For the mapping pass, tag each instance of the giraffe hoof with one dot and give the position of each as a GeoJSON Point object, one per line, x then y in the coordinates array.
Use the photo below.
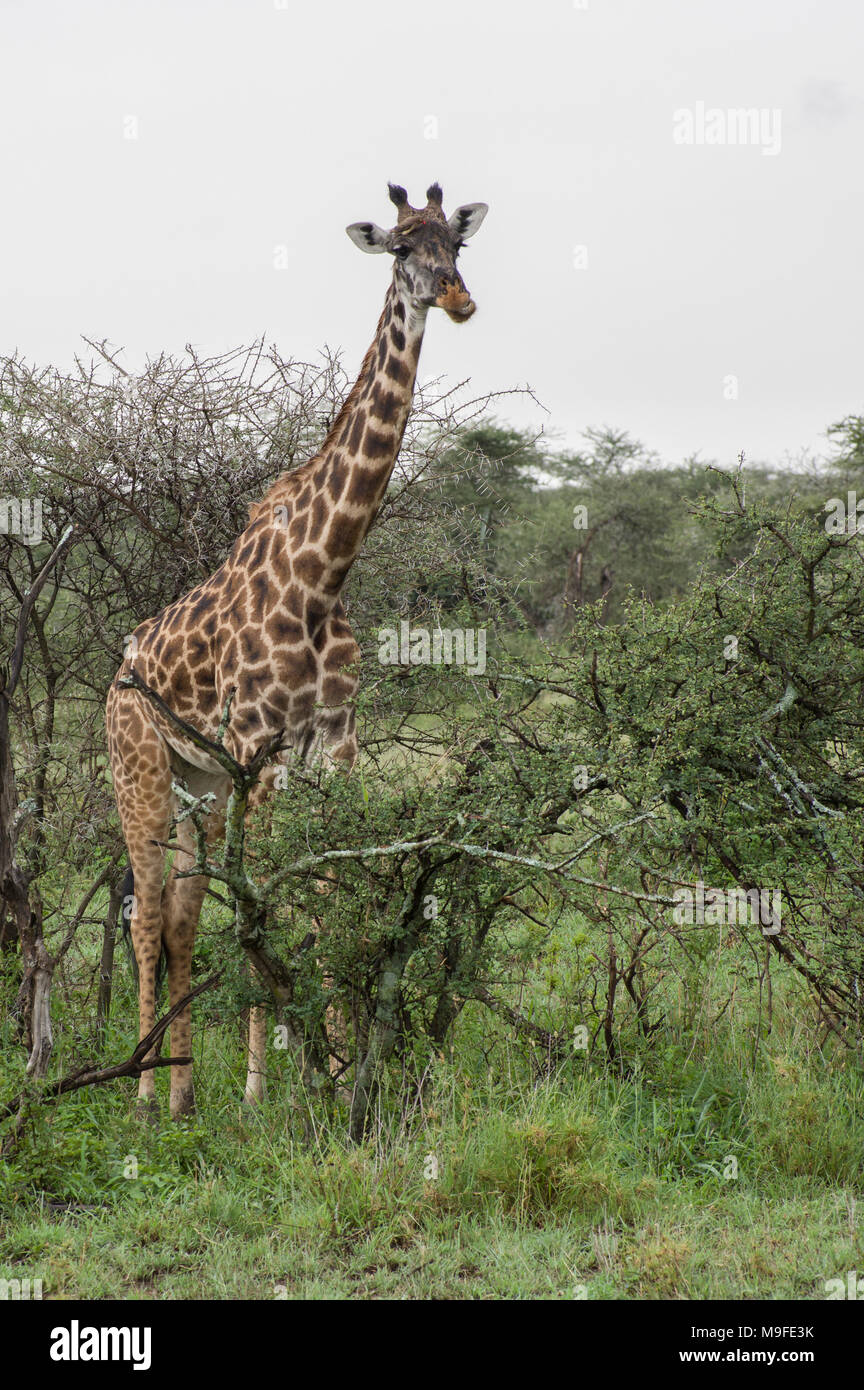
{"type": "Point", "coordinates": [147, 1109]}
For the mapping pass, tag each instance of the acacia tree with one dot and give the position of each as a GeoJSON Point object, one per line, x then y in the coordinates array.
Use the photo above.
{"type": "Point", "coordinates": [715, 743]}
{"type": "Point", "coordinates": [152, 475]}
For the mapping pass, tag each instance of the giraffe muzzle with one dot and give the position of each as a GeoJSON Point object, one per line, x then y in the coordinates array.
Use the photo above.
{"type": "Point", "coordinates": [456, 303]}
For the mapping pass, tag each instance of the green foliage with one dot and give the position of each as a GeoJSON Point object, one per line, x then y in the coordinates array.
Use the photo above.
{"type": "Point", "coordinates": [672, 698]}
{"type": "Point", "coordinates": [587, 1178]}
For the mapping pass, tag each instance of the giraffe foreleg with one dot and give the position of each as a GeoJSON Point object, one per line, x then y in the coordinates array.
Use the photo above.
{"type": "Point", "coordinates": [256, 1073]}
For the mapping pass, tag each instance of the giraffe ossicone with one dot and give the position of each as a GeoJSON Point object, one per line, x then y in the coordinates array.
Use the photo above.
{"type": "Point", "coordinates": [269, 624]}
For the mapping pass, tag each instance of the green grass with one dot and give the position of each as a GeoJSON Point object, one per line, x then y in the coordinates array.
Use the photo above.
{"type": "Point", "coordinates": [688, 1177]}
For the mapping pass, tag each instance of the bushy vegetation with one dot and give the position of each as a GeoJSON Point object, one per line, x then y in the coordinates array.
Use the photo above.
{"type": "Point", "coordinates": [567, 1084]}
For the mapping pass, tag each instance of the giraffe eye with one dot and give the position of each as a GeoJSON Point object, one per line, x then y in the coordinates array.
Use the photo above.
{"type": "Point", "coordinates": [402, 252]}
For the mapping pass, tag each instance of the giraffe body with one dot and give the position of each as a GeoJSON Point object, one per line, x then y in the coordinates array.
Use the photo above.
{"type": "Point", "coordinates": [269, 626]}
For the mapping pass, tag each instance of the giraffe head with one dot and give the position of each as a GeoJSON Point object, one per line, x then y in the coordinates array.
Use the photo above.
{"type": "Point", "coordinates": [424, 245]}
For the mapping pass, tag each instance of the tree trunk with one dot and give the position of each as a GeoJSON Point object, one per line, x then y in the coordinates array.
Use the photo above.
{"type": "Point", "coordinates": [21, 916]}
{"type": "Point", "coordinates": [574, 580]}
{"type": "Point", "coordinates": [385, 1025]}
{"type": "Point", "coordinates": [106, 962]}
{"type": "Point", "coordinates": [382, 1040]}
{"type": "Point", "coordinates": [13, 887]}
{"type": "Point", "coordinates": [19, 898]}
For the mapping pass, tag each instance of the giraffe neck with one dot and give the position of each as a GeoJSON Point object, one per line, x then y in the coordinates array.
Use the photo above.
{"type": "Point", "coordinates": [350, 473]}
{"type": "Point", "coordinates": [362, 446]}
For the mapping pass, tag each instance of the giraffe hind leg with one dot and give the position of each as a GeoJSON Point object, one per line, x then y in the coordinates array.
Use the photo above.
{"type": "Point", "coordinates": [256, 1074]}
{"type": "Point", "coordinates": [142, 786]}
{"type": "Point", "coordinates": [148, 864]}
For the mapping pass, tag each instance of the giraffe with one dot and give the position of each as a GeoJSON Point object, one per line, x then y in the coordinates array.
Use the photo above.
{"type": "Point", "coordinates": [270, 626]}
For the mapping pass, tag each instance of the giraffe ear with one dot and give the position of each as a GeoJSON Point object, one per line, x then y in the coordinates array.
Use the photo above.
{"type": "Point", "coordinates": [368, 237]}
{"type": "Point", "coordinates": [466, 220]}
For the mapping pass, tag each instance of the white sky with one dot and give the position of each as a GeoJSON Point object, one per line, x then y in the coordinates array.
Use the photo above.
{"type": "Point", "coordinates": [261, 126]}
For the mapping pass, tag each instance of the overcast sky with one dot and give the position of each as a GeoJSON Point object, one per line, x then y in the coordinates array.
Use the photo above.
{"type": "Point", "coordinates": [154, 155]}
